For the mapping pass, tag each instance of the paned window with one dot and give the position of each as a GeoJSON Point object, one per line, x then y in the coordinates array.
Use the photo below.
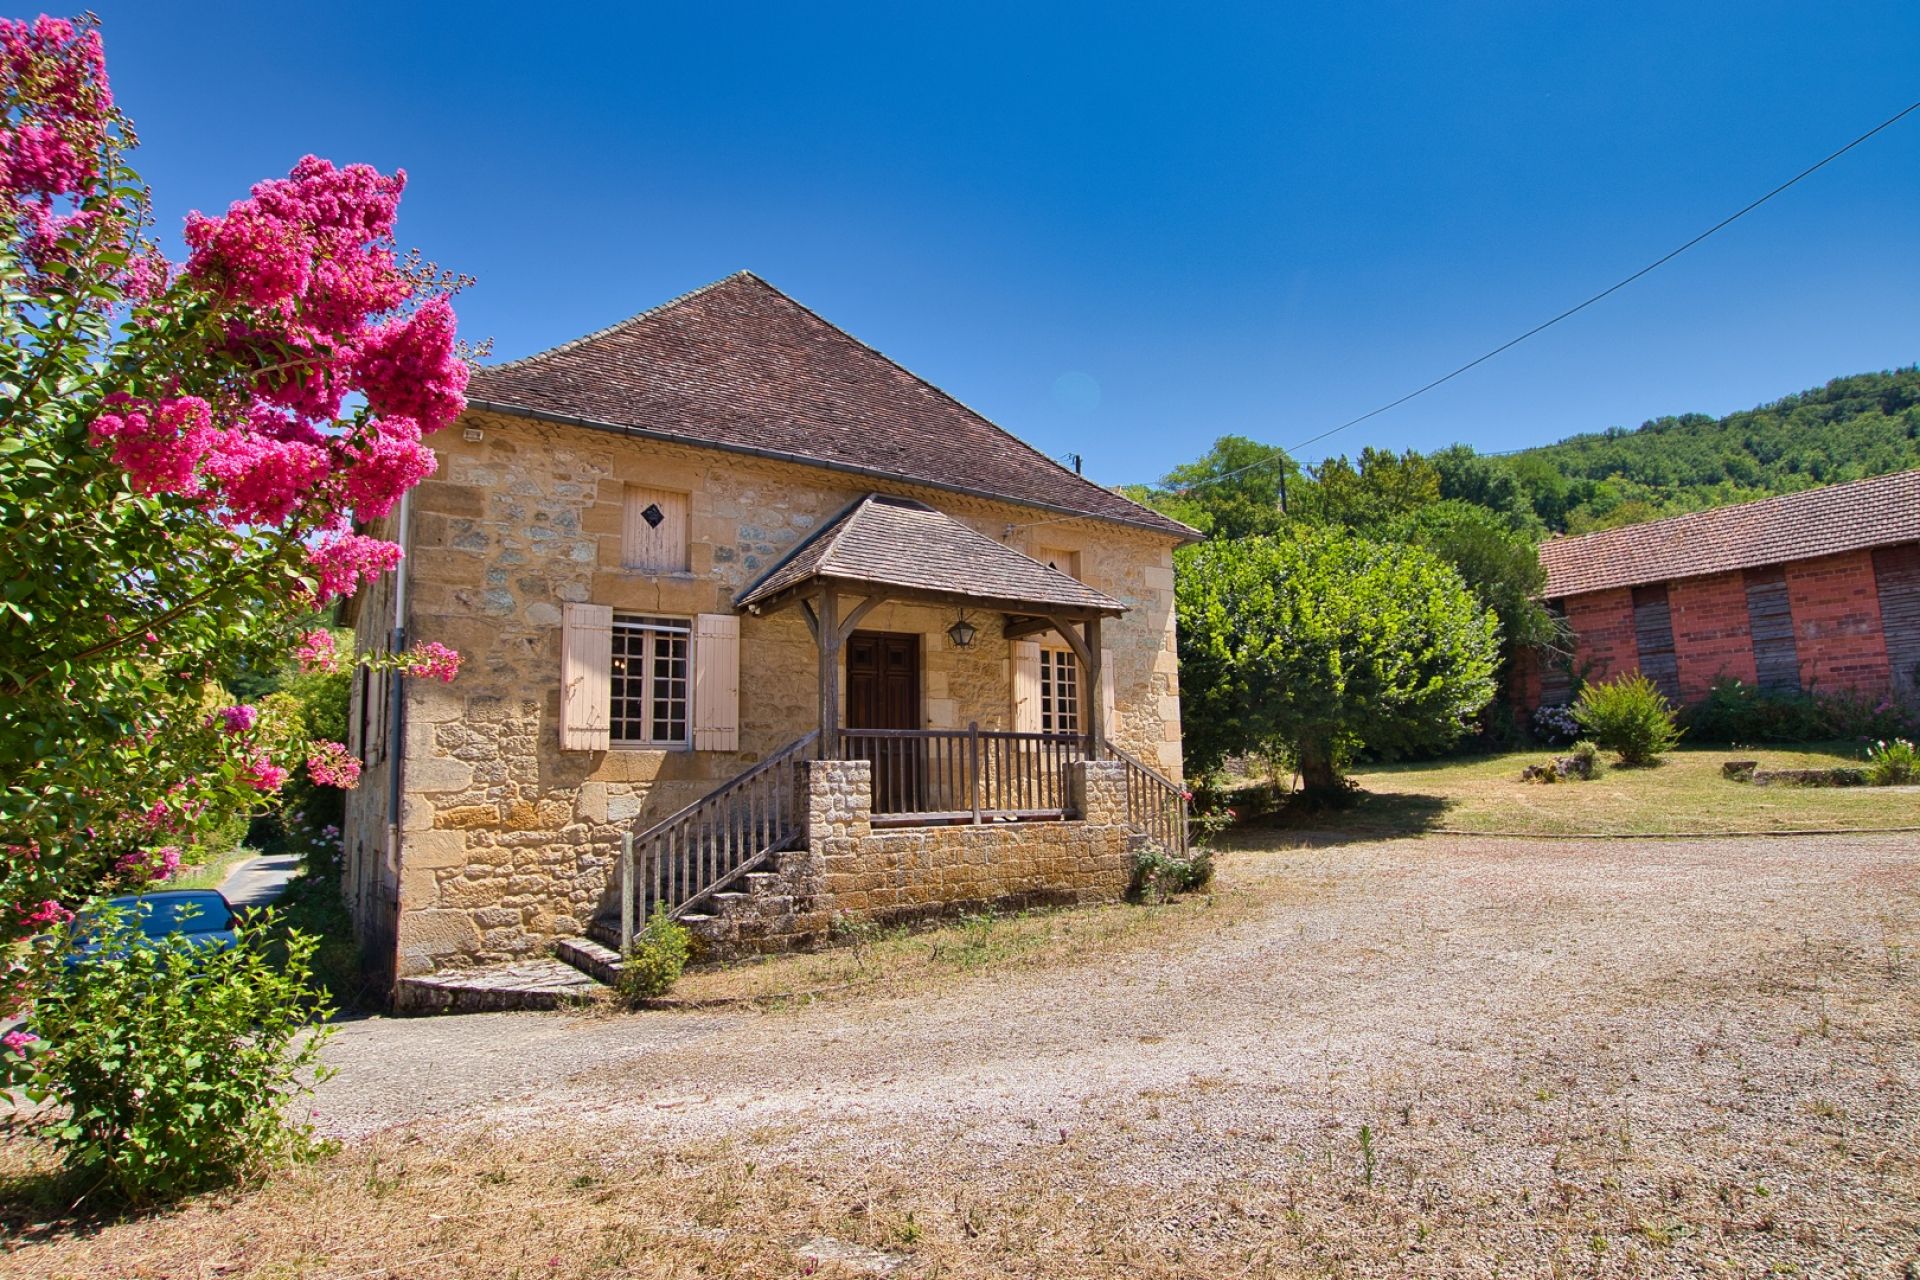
{"type": "Point", "coordinates": [650, 680]}
{"type": "Point", "coordinates": [1059, 692]}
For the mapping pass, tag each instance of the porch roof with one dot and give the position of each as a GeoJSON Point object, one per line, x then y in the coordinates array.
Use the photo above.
{"type": "Point", "coordinates": [899, 547]}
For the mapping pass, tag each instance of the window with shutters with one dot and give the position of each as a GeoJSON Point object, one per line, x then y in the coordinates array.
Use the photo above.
{"type": "Point", "coordinates": [650, 681]}
{"type": "Point", "coordinates": [1059, 692]}
{"type": "Point", "coordinates": [655, 537]}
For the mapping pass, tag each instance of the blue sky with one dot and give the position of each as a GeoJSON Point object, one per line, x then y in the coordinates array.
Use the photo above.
{"type": "Point", "coordinates": [1123, 230]}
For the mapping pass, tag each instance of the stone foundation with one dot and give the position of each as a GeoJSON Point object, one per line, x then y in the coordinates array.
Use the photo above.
{"type": "Point", "coordinates": [851, 871]}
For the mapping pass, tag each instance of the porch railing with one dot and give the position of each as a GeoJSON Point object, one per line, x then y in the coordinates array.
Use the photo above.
{"type": "Point", "coordinates": [1155, 804]}
{"type": "Point", "coordinates": [964, 775]}
{"type": "Point", "coordinates": [684, 859]}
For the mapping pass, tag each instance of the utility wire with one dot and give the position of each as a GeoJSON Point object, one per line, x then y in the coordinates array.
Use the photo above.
{"type": "Point", "coordinates": [1661, 261]}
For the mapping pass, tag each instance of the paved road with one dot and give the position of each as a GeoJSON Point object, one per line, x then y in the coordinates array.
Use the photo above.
{"type": "Point", "coordinates": [260, 880]}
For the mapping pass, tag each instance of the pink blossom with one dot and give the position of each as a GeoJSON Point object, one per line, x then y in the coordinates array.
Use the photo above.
{"type": "Point", "coordinates": [315, 237]}
{"type": "Point", "coordinates": [343, 560]}
{"type": "Point", "coordinates": [240, 719]}
{"type": "Point", "coordinates": [159, 444]}
{"type": "Point", "coordinates": [432, 660]}
{"type": "Point", "coordinates": [388, 460]}
{"type": "Point", "coordinates": [262, 774]}
{"type": "Point", "coordinates": [409, 367]}
{"type": "Point", "coordinates": [331, 765]}
{"type": "Point", "coordinates": [261, 480]}
{"type": "Point", "coordinates": [17, 1040]}
{"type": "Point", "coordinates": [317, 651]}
{"type": "Point", "coordinates": [48, 912]}
{"type": "Point", "coordinates": [151, 865]}
{"type": "Point", "coordinates": [330, 832]}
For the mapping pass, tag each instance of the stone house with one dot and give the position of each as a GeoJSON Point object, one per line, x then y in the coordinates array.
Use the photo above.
{"type": "Point", "coordinates": [1818, 590]}
{"type": "Point", "coordinates": [763, 629]}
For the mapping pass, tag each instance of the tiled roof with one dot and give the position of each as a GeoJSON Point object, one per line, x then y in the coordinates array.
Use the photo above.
{"type": "Point", "coordinates": [739, 365]}
{"type": "Point", "coordinates": [1795, 526]}
{"type": "Point", "coordinates": [908, 546]}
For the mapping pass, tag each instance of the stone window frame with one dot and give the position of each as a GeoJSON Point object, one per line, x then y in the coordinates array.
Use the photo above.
{"type": "Point", "coordinates": [1061, 714]}
{"type": "Point", "coordinates": [660, 639]}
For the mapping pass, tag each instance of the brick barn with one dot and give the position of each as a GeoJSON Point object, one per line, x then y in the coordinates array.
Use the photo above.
{"type": "Point", "coordinates": [1814, 591]}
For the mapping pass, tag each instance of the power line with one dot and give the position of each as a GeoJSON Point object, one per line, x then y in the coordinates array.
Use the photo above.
{"type": "Point", "coordinates": [1661, 261]}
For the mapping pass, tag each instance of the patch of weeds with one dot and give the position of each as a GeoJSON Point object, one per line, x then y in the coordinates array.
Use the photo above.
{"type": "Point", "coordinates": [656, 957]}
{"type": "Point", "coordinates": [1158, 875]}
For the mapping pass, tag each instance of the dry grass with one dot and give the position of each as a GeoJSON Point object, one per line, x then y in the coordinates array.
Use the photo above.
{"type": "Point", "coordinates": [1572, 1060]}
{"type": "Point", "coordinates": [903, 961]}
{"type": "Point", "coordinates": [1685, 794]}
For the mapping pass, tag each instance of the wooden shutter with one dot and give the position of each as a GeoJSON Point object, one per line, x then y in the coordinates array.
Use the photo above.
{"type": "Point", "coordinates": [586, 677]}
{"type": "Point", "coordinates": [1896, 571]}
{"type": "Point", "coordinates": [716, 682]}
{"type": "Point", "coordinates": [1026, 686]}
{"type": "Point", "coordinates": [1776, 658]}
{"type": "Point", "coordinates": [659, 545]}
{"type": "Point", "coordinates": [1106, 691]}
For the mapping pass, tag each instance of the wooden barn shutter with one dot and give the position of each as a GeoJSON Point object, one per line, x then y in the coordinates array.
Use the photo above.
{"type": "Point", "coordinates": [716, 682]}
{"type": "Point", "coordinates": [1896, 571]}
{"type": "Point", "coordinates": [1776, 657]}
{"type": "Point", "coordinates": [658, 544]}
{"type": "Point", "coordinates": [1106, 691]}
{"type": "Point", "coordinates": [1026, 686]}
{"type": "Point", "coordinates": [586, 660]}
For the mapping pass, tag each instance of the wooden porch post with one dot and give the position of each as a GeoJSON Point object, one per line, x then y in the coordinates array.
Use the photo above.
{"type": "Point", "coordinates": [1096, 710]}
{"type": "Point", "coordinates": [829, 645]}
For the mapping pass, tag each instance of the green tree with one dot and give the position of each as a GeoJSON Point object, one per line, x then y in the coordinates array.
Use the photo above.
{"type": "Point", "coordinates": [1365, 497]}
{"type": "Point", "coordinates": [1233, 491]}
{"type": "Point", "coordinates": [1317, 644]}
{"type": "Point", "coordinates": [1499, 564]}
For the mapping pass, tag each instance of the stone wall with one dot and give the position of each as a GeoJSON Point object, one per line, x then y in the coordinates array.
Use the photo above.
{"type": "Point", "coordinates": [852, 871]}
{"type": "Point", "coordinates": [508, 842]}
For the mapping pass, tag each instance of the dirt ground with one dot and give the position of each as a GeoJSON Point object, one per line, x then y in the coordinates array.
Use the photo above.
{"type": "Point", "coordinates": [1417, 1057]}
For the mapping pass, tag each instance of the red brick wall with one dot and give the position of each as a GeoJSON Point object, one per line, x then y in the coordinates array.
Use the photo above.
{"type": "Point", "coordinates": [1710, 631]}
{"type": "Point", "coordinates": [1602, 623]}
{"type": "Point", "coordinates": [1836, 623]}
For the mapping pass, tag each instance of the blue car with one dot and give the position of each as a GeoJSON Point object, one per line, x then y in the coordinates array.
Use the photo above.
{"type": "Point", "coordinates": [203, 916]}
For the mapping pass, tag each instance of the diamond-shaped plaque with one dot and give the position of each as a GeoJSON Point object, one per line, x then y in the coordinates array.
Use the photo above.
{"type": "Point", "coordinates": [653, 515]}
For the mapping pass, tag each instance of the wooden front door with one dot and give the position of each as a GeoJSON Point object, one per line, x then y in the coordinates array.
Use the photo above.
{"type": "Point", "coordinates": [883, 692]}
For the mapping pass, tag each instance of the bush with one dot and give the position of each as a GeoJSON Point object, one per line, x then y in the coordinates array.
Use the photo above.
{"type": "Point", "coordinates": [1737, 712]}
{"type": "Point", "coordinates": [656, 957]}
{"type": "Point", "coordinates": [1158, 875]}
{"type": "Point", "coordinates": [1554, 725]}
{"type": "Point", "coordinates": [171, 1067]}
{"type": "Point", "coordinates": [1628, 716]}
{"type": "Point", "coordinates": [1893, 763]}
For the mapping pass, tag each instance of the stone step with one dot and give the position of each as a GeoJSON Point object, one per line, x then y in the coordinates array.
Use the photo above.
{"type": "Point", "coordinates": [761, 881]}
{"type": "Point", "coordinates": [601, 963]}
{"type": "Point", "coordinates": [523, 984]}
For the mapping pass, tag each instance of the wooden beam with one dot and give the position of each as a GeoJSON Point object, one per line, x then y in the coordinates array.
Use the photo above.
{"type": "Point", "coordinates": [860, 611]}
{"type": "Point", "coordinates": [828, 642]}
{"type": "Point", "coordinates": [813, 619]}
{"type": "Point", "coordinates": [1021, 628]}
{"type": "Point", "coordinates": [1096, 709]}
{"type": "Point", "coordinates": [1089, 658]}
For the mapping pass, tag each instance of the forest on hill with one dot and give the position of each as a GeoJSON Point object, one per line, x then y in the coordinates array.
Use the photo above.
{"type": "Point", "coordinates": [1864, 425]}
{"type": "Point", "coordinates": [1484, 515]}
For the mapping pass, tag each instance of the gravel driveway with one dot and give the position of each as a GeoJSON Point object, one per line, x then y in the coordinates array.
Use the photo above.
{"type": "Point", "coordinates": [1706, 1045]}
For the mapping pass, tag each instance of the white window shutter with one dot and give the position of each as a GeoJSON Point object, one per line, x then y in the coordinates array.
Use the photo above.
{"type": "Point", "coordinates": [586, 677]}
{"type": "Point", "coordinates": [716, 682]}
{"type": "Point", "coordinates": [1106, 691]}
{"type": "Point", "coordinates": [1026, 686]}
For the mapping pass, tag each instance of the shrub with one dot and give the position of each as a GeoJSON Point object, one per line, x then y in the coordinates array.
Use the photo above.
{"type": "Point", "coordinates": [1893, 763]}
{"type": "Point", "coordinates": [1158, 875]}
{"type": "Point", "coordinates": [656, 957]}
{"type": "Point", "coordinates": [1554, 724]}
{"type": "Point", "coordinates": [171, 1067]}
{"type": "Point", "coordinates": [1630, 717]}
{"type": "Point", "coordinates": [1737, 712]}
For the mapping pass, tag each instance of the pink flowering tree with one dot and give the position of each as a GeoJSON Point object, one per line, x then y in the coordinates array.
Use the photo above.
{"type": "Point", "coordinates": [195, 457]}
